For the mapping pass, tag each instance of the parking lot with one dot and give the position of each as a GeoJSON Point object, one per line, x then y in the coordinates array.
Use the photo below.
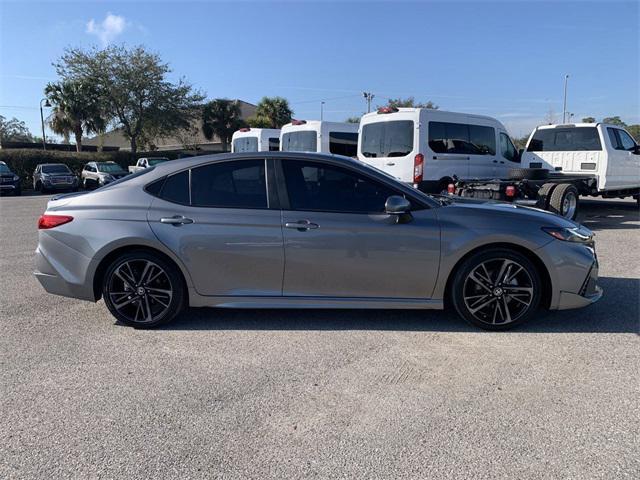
{"type": "Point", "coordinates": [326, 394]}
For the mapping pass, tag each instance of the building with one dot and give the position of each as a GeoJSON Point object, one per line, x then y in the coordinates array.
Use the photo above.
{"type": "Point", "coordinates": [189, 140]}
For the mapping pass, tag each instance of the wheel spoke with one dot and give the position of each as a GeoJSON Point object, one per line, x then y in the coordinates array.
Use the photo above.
{"type": "Point", "coordinates": [148, 267]}
{"type": "Point", "coordinates": [512, 297]}
{"type": "Point", "coordinates": [125, 303]}
{"type": "Point", "coordinates": [501, 273]}
{"type": "Point", "coordinates": [149, 317]}
{"type": "Point", "coordinates": [122, 276]}
{"type": "Point", "coordinates": [480, 307]}
{"type": "Point", "coordinates": [159, 291]}
{"type": "Point", "coordinates": [506, 309]}
{"type": "Point", "coordinates": [510, 289]}
{"type": "Point", "coordinates": [479, 281]}
{"type": "Point", "coordinates": [159, 300]}
{"type": "Point", "coordinates": [510, 276]}
{"type": "Point", "coordinates": [487, 276]}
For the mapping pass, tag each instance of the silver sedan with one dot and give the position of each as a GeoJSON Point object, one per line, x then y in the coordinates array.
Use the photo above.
{"type": "Point", "coordinates": [296, 230]}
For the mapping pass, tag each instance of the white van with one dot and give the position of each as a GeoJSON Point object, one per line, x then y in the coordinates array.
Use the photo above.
{"type": "Point", "coordinates": [427, 147]}
{"type": "Point", "coordinates": [605, 151]}
{"type": "Point", "coordinates": [256, 140]}
{"type": "Point", "coordinates": [320, 136]}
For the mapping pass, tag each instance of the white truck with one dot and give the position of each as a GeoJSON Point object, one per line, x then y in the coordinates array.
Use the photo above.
{"type": "Point", "coordinates": [146, 162]}
{"type": "Point", "coordinates": [562, 162]}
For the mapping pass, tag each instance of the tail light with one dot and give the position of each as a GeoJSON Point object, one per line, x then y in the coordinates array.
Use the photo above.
{"type": "Point", "coordinates": [387, 110]}
{"type": "Point", "coordinates": [245, 129]}
{"type": "Point", "coordinates": [298, 122]}
{"type": "Point", "coordinates": [418, 168]}
{"type": "Point", "coordinates": [52, 221]}
{"type": "Point", "coordinates": [451, 188]}
{"type": "Point", "coordinates": [510, 191]}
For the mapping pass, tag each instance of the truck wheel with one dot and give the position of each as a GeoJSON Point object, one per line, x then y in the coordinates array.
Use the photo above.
{"type": "Point", "coordinates": [544, 195]}
{"type": "Point", "coordinates": [528, 173]}
{"type": "Point", "coordinates": [564, 201]}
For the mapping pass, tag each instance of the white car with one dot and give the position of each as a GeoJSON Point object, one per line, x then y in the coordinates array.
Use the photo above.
{"type": "Point", "coordinates": [605, 151]}
{"type": "Point", "coordinates": [146, 162]}
{"type": "Point", "coordinates": [427, 147]}
{"type": "Point", "coordinates": [256, 140]}
{"type": "Point", "coordinates": [320, 136]}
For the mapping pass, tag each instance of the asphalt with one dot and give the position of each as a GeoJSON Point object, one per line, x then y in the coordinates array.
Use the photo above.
{"type": "Point", "coordinates": [318, 394]}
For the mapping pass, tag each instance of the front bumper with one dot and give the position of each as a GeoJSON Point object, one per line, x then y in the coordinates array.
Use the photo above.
{"type": "Point", "coordinates": [9, 187]}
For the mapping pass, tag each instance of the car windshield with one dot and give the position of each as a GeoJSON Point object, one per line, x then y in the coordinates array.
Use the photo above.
{"type": "Point", "coordinates": [4, 168]}
{"type": "Point", "coordinates": [305, 141]}
{"type": "Point", "coordinates": [156, 161]}
{"type": "Point", "coordinates": [55, 169]}
{"type": "Point", "coordinates": [109, 167]}
{"type": "Point", "coordinates": [387, 139]}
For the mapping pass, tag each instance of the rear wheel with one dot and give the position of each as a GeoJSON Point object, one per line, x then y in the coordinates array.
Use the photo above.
{"type": "Point", "coordinates": [544, 195]}
{"type": "Point", "coordinates": [496, 289]}
{"type": "Point", "coordinates": [564, 201]}
{"type": "Point", "coordinates": [143, 290]}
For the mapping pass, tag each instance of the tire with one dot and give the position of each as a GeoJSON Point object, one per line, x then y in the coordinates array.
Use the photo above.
{"type": "Point", "coordinates": [40, 187]}
{"type": "Point", "coordinates": [564, 201]}
{"type": "Point", "coordinates": [494, 303]}
{"type": "Point", "coordinates": [143, 302]}
{"type": "Point", "coordinates": [544, 195]}
{"type": "Point", "coordinates": [528, 173]}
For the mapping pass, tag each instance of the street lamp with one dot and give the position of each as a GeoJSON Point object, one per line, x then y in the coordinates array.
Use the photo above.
{"type": "Point", "coordinates": [46, 104]}
{"type": "Point", "coordinates": [321, 111]}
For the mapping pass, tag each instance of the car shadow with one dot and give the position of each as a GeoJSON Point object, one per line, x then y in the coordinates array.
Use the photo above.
{"type": "Point", "coordinates": [617, 312]}
{"type": "Point", "coordinates": [609, 215]}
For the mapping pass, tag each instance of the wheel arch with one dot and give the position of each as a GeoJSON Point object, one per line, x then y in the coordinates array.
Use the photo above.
{"type": "Point", "coordinates": [547, 287]}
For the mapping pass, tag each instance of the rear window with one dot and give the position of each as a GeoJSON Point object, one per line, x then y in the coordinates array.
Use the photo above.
{"type": "Point", "coordinates": [274, 144]}
{"type": "Point", "coordinates": [245, 144]}
{"type": "Point", "coordinates": [387, 139]}
{"type": "Point", "coordinates": [4, 168]}
{"type": "Point", "coordinates": [343, 143]}
{"type": "Point", "coordinates": [300, 141]}
{"type": "Point", "coordinates": [565, 140]}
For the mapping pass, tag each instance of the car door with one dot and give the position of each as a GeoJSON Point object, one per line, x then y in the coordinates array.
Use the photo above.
{"type": "Point", "coordinates": [508, 156]}
{"type": "Point", "coordinates": [483, 159]}
{"type": "Point", "coordinates": [340, 243]}
{"type": "Point", "coordinates": [629, 160]}
{"type": "Point", "coordinates": [217, 218]}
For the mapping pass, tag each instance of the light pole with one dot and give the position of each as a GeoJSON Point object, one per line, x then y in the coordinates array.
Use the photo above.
{"type": "Point", "coordinates": [368, 97]}
{"type": "Point", "coordinates": [46, 104]}
{"type": "Point", "coordinates": [321, 111]}
{"type": "Point", "coordinates": [564, 103]}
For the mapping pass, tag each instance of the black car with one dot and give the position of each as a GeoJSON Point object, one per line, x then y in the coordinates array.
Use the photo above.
{"type": "Point", "coordinates": [54, 176]}
{"type": "Point", "coordinates": [9, 181]}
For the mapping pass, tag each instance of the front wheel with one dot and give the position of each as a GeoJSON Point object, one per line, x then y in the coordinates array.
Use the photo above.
{"type": "Point", "coordinates": [143, 290]}
{"type": "Point", "coordinates": [496, 289]}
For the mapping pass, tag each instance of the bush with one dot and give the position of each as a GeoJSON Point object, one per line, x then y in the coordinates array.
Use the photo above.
{"type": "Point", "coordinates": [24, 161]}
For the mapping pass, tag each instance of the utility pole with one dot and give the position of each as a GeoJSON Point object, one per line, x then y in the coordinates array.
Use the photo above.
{"type": "Point", "coordinates": [564, 104]}
{"type": "Point", "coordinates": [368, 97]}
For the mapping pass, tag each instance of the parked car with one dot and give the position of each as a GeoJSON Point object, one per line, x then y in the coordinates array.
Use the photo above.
{"type": "Point", "coordinates": [146, 162]}
{"type": "Point", "coordinates": [215, 231]}
{"type": "Point", "coordinates": [98, 174]}
{"type": "Point", "coordinates": [256, 140]}
{"type": "Point", "coordinates": [564, 162]}
{"type": "Point", "coordinates": [54, 176]}
{"type": "Point", "coordinates": [9, 181]}
{"type": "Point", "coordinates": [320, 136]}
{"type": "Point", "coordinates": [427, 148]}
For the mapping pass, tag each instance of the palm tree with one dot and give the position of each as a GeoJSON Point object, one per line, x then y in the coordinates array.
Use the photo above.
{"type": "Point", "coordinates": [273, 112]}
{"type": "Point", "coordinates": [221, 117]}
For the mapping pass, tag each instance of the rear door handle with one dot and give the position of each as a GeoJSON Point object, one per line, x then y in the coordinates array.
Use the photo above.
{"type": "Point", "coordinates": [176, 220]}
{"type": "Point", "coordinates": [390, 164]}
{"type": "Point", "coordinates": [302, 225]}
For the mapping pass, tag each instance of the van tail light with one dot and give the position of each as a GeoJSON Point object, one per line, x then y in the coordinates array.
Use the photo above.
{"type": "Point", "coordinates": [245, 129]}
{"type": "Point", "coordinates": [510, 191]}
{"type": "Point", "coordinates": [52, 221]}
{"type": "Point", "coordinates": [298, 122]}
{"type": "Point", "coordinates": [387, 110]}
{"type": "Point", "coordinates": [418, 168]}
{"type": "Point", "coordinates": [451, 188]}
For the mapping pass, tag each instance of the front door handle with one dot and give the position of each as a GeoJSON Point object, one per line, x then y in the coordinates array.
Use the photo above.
{"type": "Point", "coordinates": [302, 225]}
{"type": "Point", "coordinates": [390, 164]}
{"type": "Point", "coordinates": [176, 220]}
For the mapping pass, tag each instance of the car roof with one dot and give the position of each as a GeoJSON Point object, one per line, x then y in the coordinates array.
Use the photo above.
{"type": "Point", "coordinates": [50, 164]}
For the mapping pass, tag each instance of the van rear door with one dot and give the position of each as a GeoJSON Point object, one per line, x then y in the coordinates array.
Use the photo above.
{"type": "Point", "coordinates": [390, 145]}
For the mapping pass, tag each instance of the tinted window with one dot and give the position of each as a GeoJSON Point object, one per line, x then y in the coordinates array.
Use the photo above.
{"type": "Point", "coordinates": [327, 188]}
{"type": "Point", "coordinates": [55, 169]}
{"type": "Point", "coordinates": [239, 184]}
{"type": "Point", "coordinates": [4, 168]}
{"type": "Point", "coordinates": [176, 188]}
{"type": "Point", "coordinates": [626, 141]}
{"type": "Point", "coordinates": [300, 142]}
{"type": "Point", "coordinates": [156, 161]}
{"type": "Point", "coordinates": [274, 144]}
{"type": "Point", "coordinates": [613, 138]}
{"type": "Point", "coordinates": [343, 143]}
{"type": "Point", "coordinates": [387, 139]}
{"type": "Point", "coordinates": [565, 140]}
{"type": "Point", "coordinates": [462, 138]}
{"type": "Point", "coordinates": [507, 149]}
{"type": "Point", "coordinates": [245, 144]}
{"type": "Point", "coordinates": [109, 167]}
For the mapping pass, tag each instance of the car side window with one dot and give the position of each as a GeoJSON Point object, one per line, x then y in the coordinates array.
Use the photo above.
{"type": "Point", "coordinates": [626, 141]}
{"type": "Point", "coordinates": [315, 186]}
{"type": "Point", "coordinates": [239, 184]}
{"type": "Point", "coordinates": [613, 138]}
{"type": "Point", "coordinates": [176, 188]}
{"type": "Point", "coordinates": [507, 148]}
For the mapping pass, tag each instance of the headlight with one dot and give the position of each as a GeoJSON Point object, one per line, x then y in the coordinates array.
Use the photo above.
{"type": "Point", "coordinates": [16, 178]}
{"type": "Point", "coordinates": [575, 234]}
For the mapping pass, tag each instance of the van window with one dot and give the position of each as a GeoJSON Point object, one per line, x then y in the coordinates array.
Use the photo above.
{"type": "Point", "coordinates": [306, 141]}
{"type": "Point", "coordinates": [343, 143]}
{"type": "Point", "coordinates": [274, 144]}
{"type": "Point", "coordinates": [565, 140]}
{"type": "Point", "coordinates": [245, 144]}
{"type": "Point", "coordinates": [387, 139]}
{"type": "Point", "coordinates": [507, 148]}
{"type": "Point", "coordinates": [462, 138]}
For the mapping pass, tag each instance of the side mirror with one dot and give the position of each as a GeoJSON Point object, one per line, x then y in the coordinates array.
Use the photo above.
{"type": "Point", "coordinates": [636, 150]}
{"type": "Point", "coordinates": [397, 205]}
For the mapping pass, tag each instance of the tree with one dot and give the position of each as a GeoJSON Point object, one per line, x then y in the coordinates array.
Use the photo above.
{"type": "Point", "coordinates": [221, 117]}
{"type": "Point", "coordinates": [75, 109]}
{"type": "Point", "coordinates": [353, 120]}
{"type": "Point", "coordinates": [135, 90]}
{"type": "Point", "coordinates": [271, 112]}
{"type": "Point", "coordinates": [634, 130]}
{"type": "Point", "coordinates": [588, 120]}
{"type": "Point", "coordinates": [410, 102]}
{"type": "Point", "coordinates": [14, 130]}
{"type": "Point", "coordinates": [520, 142]}
{"type": "Point", "coordinates": [614, 121]}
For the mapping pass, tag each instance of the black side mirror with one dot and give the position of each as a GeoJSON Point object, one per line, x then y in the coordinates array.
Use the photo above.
{"type": "Point", "coordinates": [636, 150]}
{"type": "Point", "coordinates": [400, 207]}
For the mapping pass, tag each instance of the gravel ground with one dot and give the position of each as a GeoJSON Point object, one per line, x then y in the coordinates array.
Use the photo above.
{"type": "Point", "coordinates": [320, 394]}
